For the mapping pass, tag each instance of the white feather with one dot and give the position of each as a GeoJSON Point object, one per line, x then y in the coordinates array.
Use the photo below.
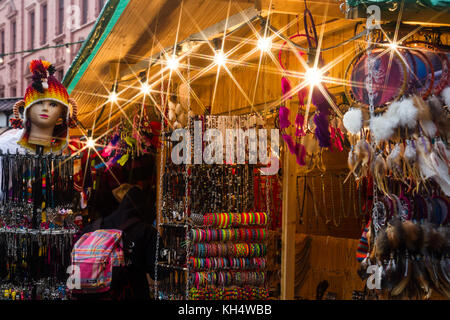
{"type": "Point", "coordinates": [407, 113]}
{"type": "Point", "coordinates": [429, 128]}
{"type": "Point", "coordinates": [446, 96]}
{"type": "Point", "coordinates": [353, 120]}
{"type": "Point", "coordinates": [381, 127]}
{"type": "Point", "coordinates": [410, 152]}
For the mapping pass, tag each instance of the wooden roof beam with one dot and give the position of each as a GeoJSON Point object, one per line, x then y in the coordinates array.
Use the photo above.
{"type": "Point", "coordinates": [294, 7]}
{"type": "Point", "coordinates": [209, 33]}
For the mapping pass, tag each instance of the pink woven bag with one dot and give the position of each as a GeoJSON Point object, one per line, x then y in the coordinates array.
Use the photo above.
{"type": "Point", "coordinates": [95, 254]}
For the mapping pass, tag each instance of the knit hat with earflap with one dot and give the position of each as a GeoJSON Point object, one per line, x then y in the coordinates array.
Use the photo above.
{"type": "Point", "coordinates": [43, 88]}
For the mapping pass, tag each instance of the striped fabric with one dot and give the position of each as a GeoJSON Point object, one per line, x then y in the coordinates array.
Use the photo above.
{"type": "Point", "coordinates": [96, 253]}
{"type": "Point", "coordinates": [363, 246]}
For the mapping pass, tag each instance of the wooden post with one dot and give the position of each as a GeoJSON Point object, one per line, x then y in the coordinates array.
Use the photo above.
{"type": "Point", "coordinates": [288, 219]}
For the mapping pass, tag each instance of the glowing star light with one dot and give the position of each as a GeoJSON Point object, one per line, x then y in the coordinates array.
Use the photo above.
{"type": "Point", "coordinates": [219, 58]}
{"type": "Point", "coordinates": [90, 143]}
{"type": "Point", "coordinates": [264, 44]}
{"type": "Point", "coordinates": [172, 63]}
{"type": "Point", "coordinates": [313, 76]}
{"type": "Point", "coordinates": [145, 88]}
{"type": "Point", "coordinates": [393, 45]}
{"type": "Point", "coordinates": [113, 97]}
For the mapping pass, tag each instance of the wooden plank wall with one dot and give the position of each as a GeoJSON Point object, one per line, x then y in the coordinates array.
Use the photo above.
{"type": "Point", "coordinates": [331, 259]}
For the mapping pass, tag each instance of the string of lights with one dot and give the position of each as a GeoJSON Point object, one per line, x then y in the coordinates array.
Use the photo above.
{"type": "Point", "coordinates": [67, 45]}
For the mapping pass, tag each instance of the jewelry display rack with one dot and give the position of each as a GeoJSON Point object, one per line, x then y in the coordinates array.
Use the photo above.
{"type": "Point", "coordinates": [211, 242]}
{"type": "Point", "coordinates": [36, 227]}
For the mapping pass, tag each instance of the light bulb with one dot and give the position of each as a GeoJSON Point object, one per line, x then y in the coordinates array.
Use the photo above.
{"type": "Point", "coordinates": [219, 58]}
{"type": "Point", "coordinates": [145, 88]}
{"type": "Point", "coordinates": [113, 97]}
{"type": "Point", "coordinates": [2, 60]}
{"type": "Point", "coordinates": [264, 44]}
{"type": "Point", "coordinates": [313, 76]}
{"type": "Point", "coordinates": [90, 143]}
{"type": "Point", "coordinates": [393, 45]}
{"type": "Point", "coordinates": [172, 63]}
{"type": "Point", "coordinates": [67, 49]}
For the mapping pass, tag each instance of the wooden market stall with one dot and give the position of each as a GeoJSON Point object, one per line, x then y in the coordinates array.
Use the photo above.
{"type": "Point", "coordinates": [322, 217]}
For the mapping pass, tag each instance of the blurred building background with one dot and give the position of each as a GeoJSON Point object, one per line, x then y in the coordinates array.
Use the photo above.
{"type": "Point", "coordinates": [26, 26]}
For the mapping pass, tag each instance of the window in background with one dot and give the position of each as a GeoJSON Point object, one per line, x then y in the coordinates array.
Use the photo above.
{"type": "Point", "coordinates": [60, 16]}
{"type": "Point", "coordinates": [84, 15]}
{"type": "Point", "coordinates": [13, 36]}
{"type": "Point", "coordinates": [2, 44]}
{"type": "Point", "coordinates": [44, 22]}
{"type": "Point", "coordinates": [3, 120]}
{"type": "Point", "coordinates": [100, 5]}
{"type": "Point", "coordinates": [13, 92]}
{"type": "Point", "coordinates": [32, 29]}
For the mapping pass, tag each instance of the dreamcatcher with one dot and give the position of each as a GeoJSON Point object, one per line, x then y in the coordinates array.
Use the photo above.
{"type": "Point", "coordinates": [315, 134]}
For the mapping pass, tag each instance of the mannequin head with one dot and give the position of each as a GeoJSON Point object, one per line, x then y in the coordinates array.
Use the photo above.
{"type": "Point", "coordinates": [47, 106]}
{"type": "Point", "coordinates": [44, 115]}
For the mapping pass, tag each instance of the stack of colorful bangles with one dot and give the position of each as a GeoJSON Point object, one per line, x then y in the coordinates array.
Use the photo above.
{"type": "Point", "coordinates": [227, 263]}
{"type": "Point", "coordinates": [227, 256]}
{"type": "Point", "coordinates": [242, 293]}
{"type": "Point", "coordinates": [227, 278]}
{"type": "Point", "coordinates": [227, 220]}
{"type": "Point", "coordinates": [237, 250]}
{"type": "Point", "coordinates": [234, 234]}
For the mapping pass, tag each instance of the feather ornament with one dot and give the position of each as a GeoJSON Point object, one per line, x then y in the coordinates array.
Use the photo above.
{"type": "Point", "coordinates": [400, 287]}
{"type": "Point", "coordinates": [382, 246]}
{"type": "Point", "coordinates": [353, 120]}
{"type": "Point", "coordinates": [364, 154]}
{"type": "Point", "coordinates": [425, 117]}
{"type": "Point", "coordinates": [382, 128]}
{"type": "Point", "coordinates": [286, 88]}
{"type": "Point", "coordinates": [379, 172]}
{"type": "Point", "coordinates": [284, 117]}
{"type": "Point", "coordinates": [446, 96]}
{"type": "Point", "coordinates": [407, 114]}
{"type": "Point", "coordinates": [392, 113]}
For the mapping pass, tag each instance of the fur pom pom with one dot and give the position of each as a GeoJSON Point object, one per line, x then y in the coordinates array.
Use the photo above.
{"type": "Point", "coordinates": [353, 120]}
{"type": "Point", "coordinates": [382, 128]}
{"type": "Point", "coordinates": [446, 96]}
{"type": "Point", "coordinates": [392, 114]}
{"type": "Point", "coordinates": [407, 113]}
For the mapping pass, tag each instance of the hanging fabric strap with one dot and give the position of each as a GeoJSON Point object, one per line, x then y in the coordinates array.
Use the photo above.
{"type": "Point", "coordinates": [307, 14]}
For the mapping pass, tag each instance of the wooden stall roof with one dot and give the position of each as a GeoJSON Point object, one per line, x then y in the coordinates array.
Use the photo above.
{"type": "Point", "coordinates": [129, 35]}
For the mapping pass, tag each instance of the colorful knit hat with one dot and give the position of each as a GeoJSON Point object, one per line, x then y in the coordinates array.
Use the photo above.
{"type": "Point", "coordinates": [43, 88]}
{"type": "Point", "coordinates": [363, 245]}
